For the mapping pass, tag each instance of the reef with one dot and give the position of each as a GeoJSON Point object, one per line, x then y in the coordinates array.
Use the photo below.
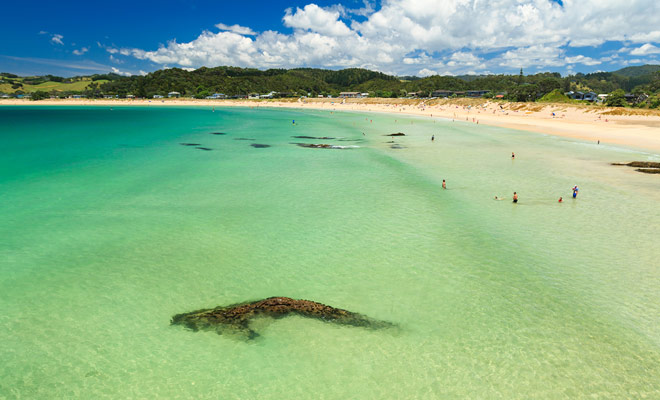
{"type": "Point", "coordinates": [314, 137]}
{"type": "Point", "coordinates": [204, 148]}
{"type": "Point", "coordinates": [190, 144]}
{"type": "Point", "coordinates": [259, 146]}
{"type": "Point", "coordinates": [242, 138]}
{"type": "Point", "coordinates": [217, 133]}
{"type": "Point", "coordinates": [647, 167]}
{"type": "Point", "coordinates": [323, 146]}
{"type": "Point", "coordinates": [396, 134]}
{"type": "Point", "coordinates": [235, 319]}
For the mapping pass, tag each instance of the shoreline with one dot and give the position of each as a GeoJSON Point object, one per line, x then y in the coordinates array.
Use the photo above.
{"type": "Point", "coordinates": [626, 127]}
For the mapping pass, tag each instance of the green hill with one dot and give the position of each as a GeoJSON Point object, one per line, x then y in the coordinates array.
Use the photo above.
{"type": "Point", "coordinates": [634, 72]}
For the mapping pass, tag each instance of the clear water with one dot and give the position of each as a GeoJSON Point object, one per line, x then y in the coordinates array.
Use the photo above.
{"type": "Point", "coordinates": [109, 227]}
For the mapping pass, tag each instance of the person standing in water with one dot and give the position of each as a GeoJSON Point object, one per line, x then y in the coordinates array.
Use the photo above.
{"type": "Point", "coordinates": [575, 191]}
{"type": "Point", "coordinates": [513, 155]}
{"type": "Point", "coordinates": [515, 197]}
{"type": "Point", "coordinates": [560, 200]}
{"type": "Point", "coordinates": [444, 184]}
{"type": "Point", "coordinates": [432, 137]}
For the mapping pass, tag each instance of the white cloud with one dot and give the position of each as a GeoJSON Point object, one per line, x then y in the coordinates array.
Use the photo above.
{"type": "Point", "coordinates": [82, 51]}
{"type": "Point", "coordinates": [241, 30]}
{"type": "Point", "coordinates": [407, 36]}
{"type": "Point", "coordinates": [118, 72]}
{"type": "Point", "coordinates": [426, 72]}
{"type": "Point", "coordinates": [57, 39]}
{"type": "Point", "coordinates": [580, 59]}
{"type": "Point", "coordinates": [645, 49]}
{"type": "Point", "coordinates": [316, 19]}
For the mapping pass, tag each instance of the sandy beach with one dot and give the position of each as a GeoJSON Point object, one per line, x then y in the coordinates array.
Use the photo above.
{"type": "Point", "coordinates": [626, 127]}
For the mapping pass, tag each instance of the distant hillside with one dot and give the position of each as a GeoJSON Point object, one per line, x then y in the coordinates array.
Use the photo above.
{"type": "Point", "coordinates": [633, 72]}
{"type": "Point", "coordinates": [235, 81]}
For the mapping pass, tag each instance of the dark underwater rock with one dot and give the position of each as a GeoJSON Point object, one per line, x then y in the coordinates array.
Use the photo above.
{"type": "Point", "coordinates": [190, 144]}
{"type": "Point", "coordinates": [242, 138]}
{"type": "Point", "coordinates": [397, 146]}
{"type": "Point", "coordinates": [235, 319]}
{"type": "Point", "coordinates": [323, 146]}
{"type": "Point", "coordinates": [396, 134]}
{"type": "Point", "coordinates": [259, 146]}
{"type": "Point", "coordinates": [649, 170]}
{"type": "Point", "coordinates": [314, 137]}
{"type": "Point", "coordinates": [204, 148]}
{"type": "Point", "coordinates": [647, 167]}
{"type": "Point", "coordinates": [217, 133]}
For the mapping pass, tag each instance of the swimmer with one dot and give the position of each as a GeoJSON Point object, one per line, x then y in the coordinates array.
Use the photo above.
{"type": "Point", "coordinates": [515, 197]}
{"type": "Point", "coordinates": [444, 184]}
{"type": "Point", "coordinates": [499, 198]}
{"type": "Point", "coordinates": [432, 137]}
{"type": "Point", "coordinates": [560, 200]}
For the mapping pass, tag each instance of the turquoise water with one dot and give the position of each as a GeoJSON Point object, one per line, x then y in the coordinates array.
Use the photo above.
{"type": "Point", "coordinates": [109, 227]}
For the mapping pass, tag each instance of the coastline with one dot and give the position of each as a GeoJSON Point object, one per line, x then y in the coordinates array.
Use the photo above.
{"type": "Point", "coordinates": [626, 127]}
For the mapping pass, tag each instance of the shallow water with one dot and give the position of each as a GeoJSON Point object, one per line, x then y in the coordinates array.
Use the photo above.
{"type": "Point", "coordinates": [110, 227]}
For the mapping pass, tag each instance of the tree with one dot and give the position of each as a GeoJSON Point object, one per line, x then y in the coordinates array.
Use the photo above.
{"type": "Point", "coordinates": [616, 99]}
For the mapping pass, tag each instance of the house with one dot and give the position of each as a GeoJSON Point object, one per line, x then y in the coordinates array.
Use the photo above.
{"type": "Point", "coordinates": [157, 96]}
{"type": "Point", "coordinates": [215, 96]}
{"type": "Point", "coordinates": [365, 94]}
{"type": "Point", "coordinates": [78, 96]}
{"type": "Point", "coordinates": [575, 95]}
{"type": "Point", "coordinates": [253, 96]}
{"type": "Point", "coordinates": [417, 94]}
{"type": "Point", "coordinates": [477, 93]}
{"type": "Point", "coordinates": [268, 95]}
{"type": "Point", "coordinates": [174, 94]}
{"type": "Point", "coordinates": [109, 96]}
{"type": "Point", "coordinates": [4, 96]}
{"type": "Point", "coordinates": [441, 93]}
{"type": "Point", "coordinates": [350, 94]}
{"type": "Point", "coordinates": [590, 96]}
{"type": "Point", "coordinates": [499, 96]}
{"type": "Point", "coordinates": [130, 96]}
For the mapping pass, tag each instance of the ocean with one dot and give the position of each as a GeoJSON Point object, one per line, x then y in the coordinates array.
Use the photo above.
{"type": "Point", "coordinates": [113, 220]}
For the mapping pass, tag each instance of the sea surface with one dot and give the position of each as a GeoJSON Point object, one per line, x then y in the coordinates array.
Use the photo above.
{"type": "Point", "coordinates": [109, 226]}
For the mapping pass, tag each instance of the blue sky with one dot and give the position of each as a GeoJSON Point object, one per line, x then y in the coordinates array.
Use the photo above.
{"type": "Point", "coordinates": [403, 37]}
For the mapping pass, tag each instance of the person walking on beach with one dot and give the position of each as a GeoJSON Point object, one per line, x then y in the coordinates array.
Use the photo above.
{"type": "Point", "coordinates": [515, 197]}
{"type": "Point", "coordinates": [444, 184]}
{"type": "Point", "coordinates": [575, 191]}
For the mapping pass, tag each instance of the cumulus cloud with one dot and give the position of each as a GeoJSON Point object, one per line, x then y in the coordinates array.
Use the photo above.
{"type": "Point", "coordinates": [241, 30]}
{"type": "Point", "coordinates": [82, 51]}
{"type": "Point", "coordinates": [118, 72]}
{"type": "Point", "coordinates": [57, 39]}
{"type": "Point", "coordinates": [645, 49]}
{"type": "Point", "coordinates": [408, 36]}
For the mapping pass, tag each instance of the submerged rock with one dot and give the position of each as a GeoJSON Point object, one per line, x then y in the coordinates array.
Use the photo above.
{"type": "Point", "coordinates": [647, 167]}
{"type": "Point", "coordinates": [235, 319]}
{"type": "Point", "coordinates": [314, 137]}
{"type": "Point", "coordinates": [190, 144]}
{"type": "Point", "coordinates": [397, 146]}
{"type": "Point", "coordinates": [204, 148]}
{"type": "Point", "coordinates": [324, 146]}
{"type": "Point", "coordinates": [396, 134]}
{"type": "Point", "coordinates": [242, 138]}
{"type": "Point", "coordinates": [259, 146]}
{"type": "Point", "coordinates": [217, 133]}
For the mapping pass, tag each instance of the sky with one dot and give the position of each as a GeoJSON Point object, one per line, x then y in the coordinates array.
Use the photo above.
{"type": "Point", "coordinates": [399, 37]}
